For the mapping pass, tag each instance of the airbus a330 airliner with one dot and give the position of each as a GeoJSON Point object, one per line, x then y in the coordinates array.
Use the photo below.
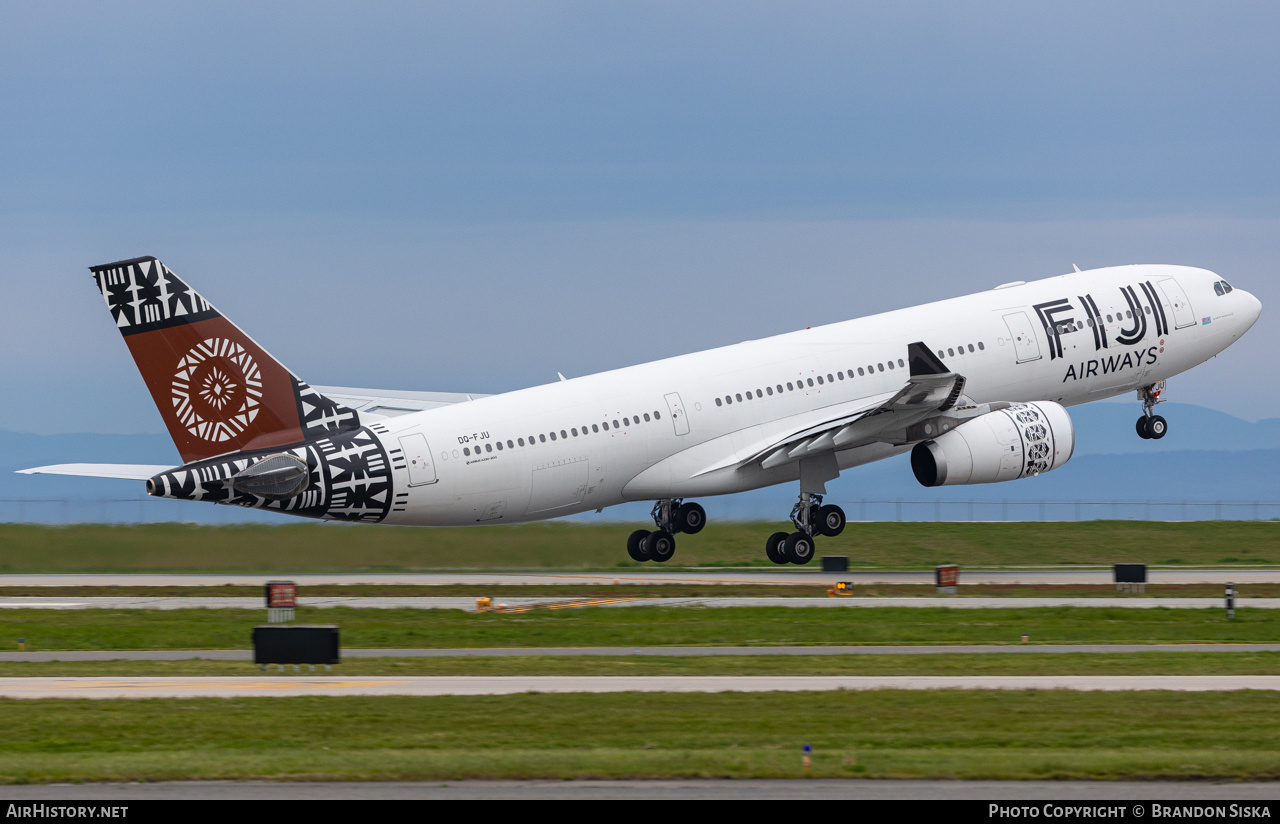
{"type": "Point", "coordinates": [976, 388]}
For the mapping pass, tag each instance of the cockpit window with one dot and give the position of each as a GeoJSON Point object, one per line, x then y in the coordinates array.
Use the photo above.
{"type": "Point", "coordinates": [1217, 288]}
{"type": "Point", "coordinates": [1226, 287]}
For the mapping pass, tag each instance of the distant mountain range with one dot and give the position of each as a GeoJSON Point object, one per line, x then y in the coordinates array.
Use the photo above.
{"type": "Point", "coordinates": [1208, 457]}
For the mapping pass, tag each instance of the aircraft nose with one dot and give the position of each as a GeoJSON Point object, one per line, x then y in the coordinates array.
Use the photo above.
{"type": "Point", "coordinates": [1253, 307]}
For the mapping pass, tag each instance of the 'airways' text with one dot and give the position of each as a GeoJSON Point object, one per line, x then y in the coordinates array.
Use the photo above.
{"type": "Point", "coordinates": [1109, 364]}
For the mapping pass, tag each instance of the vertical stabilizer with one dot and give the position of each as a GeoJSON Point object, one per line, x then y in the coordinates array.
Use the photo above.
{"type": "Point", "coordinates": [217, 390]}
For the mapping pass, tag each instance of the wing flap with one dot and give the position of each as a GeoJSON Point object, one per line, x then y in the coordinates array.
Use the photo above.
{"type": "Point", "coordinates": [931, 389]}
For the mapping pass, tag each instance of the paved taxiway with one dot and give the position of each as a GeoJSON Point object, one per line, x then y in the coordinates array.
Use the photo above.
{"type": "Point", "coordinates": [707, 789]}
{"type": "Point", "coordinates": [434, 685]}
{"type": "Point", "coordinates": [461, 603]}
{"type": "Point", "coordinates": [785, 575]}
{"type": "Point", "coordinates": [649, 652]}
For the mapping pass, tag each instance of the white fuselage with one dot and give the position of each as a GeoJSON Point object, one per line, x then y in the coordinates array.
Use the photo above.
{"type": "Point", "coordinates": [656, 430]}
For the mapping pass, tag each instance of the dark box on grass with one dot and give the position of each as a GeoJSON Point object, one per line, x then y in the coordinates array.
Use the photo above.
{"type": "Point", "coordinates": [1131, 573]}
{"type": "Point", "coordinates": [295, 644]}
{"type": "Point", "coordinates": [835, 563]}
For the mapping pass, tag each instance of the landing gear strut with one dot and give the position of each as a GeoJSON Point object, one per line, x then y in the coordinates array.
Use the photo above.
{"type": "Point", "coordinates": [1151, 426]}
{"type": "Point", "coordinates": [810, 519]}
{"type": "Point", "coordinates": [671, 516]}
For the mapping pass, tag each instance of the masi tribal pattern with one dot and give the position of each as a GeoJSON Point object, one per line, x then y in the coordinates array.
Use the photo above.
{"type": "Point", "coordinates": [350, 480]}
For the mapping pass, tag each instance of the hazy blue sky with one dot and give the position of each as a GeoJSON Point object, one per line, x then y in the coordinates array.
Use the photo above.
{"type": "Point", "coordinates": [470, 196]}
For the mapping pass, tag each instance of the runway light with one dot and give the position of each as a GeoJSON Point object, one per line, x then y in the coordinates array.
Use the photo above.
{"type": "Point", "coordinates": [1025, 637]}
{"type": "Point", "coordinates": [805, 761]}
{"type": "Point", "coordinates": [22, 644]}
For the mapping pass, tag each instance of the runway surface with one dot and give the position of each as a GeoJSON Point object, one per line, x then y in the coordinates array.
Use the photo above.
{"type": "Point", "coordinates": [782, 575]}
{"type": "Point", "coordinates": [694, 789]}
{"type": "Point", "coordinates": [259, 686]}
{"type": "Point", "coordinates": [649, 652]}
{"type": "Point", "coordinates": [465, 603]}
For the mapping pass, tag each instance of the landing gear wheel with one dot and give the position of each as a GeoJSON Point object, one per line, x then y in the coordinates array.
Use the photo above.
{"type": "Point", "coordinates": [660, 546]}
{"type": "Point", "coordinates": [690, 518]}
{"type": "Point", "coordinates": [773, 548]}
{"type": "Point", "coordinates": [798, 548]}
{"type": "Point", "coordinates": [635, 545]}
{"type": "Point", "coordinates": [1157, 427]}
{"type": "Point", "coordinates": [1144, 427]}
{"type": "Point", "coordinates": [831, 520]}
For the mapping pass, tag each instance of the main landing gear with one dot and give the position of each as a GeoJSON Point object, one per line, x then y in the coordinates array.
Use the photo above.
{"type": "Point", "coordinates": [1151, 426]}
{"type": "Point", "coordinates": [811, 519]}
{"type": "Point", "coordinates": [671, 516]}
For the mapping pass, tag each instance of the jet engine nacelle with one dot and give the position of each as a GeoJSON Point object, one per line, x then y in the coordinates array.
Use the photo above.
{"type": "Point", "coordinates": [1025, 439]}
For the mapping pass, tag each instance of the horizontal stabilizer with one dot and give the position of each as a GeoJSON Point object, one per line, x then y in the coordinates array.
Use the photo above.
{"type": "Point", "coordinates": [124, 472]}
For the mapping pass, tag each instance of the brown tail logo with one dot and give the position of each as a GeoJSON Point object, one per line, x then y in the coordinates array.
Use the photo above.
{"type": "Point", "coordinates": [217, 390]}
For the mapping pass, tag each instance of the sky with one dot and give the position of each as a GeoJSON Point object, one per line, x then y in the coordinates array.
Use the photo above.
{"type": "Point", "coordinates": [472, 196]}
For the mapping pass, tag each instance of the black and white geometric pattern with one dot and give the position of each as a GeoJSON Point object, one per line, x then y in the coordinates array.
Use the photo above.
{"type": "Point", "coordinates": [321, 416]}
{"type": "Point", "coordinates": [1035, 438]}
{"type": "Point", "coordinates": [350, 480]}
{"type": "Point", "coordinates": [143, 294]}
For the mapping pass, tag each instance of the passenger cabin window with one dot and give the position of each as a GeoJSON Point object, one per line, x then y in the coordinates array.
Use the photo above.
{"type": "Point", "coordinates": [980, 346]}
{"type": "Point", "coordinates": [615, 423]}
{"type": "Point", "coordinates": [542, 438]}
{"type": "Point", "coordinates": [595, 427]}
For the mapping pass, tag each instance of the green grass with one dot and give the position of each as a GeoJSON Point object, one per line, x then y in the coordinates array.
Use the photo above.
{"type": "Point", "coordinates": [100, 629]}
{"type": "Point", "coordinates": [1146, 663]}
{"type": "Point", "coordinates": [307, 547]}
{"type": "Point", "coordinates": [887, 733]}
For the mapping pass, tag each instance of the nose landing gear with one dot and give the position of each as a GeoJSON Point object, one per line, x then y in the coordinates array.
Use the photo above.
{"type": "Point", "coordinates": [1151, 426]}
{"type": "Point", "coordinates": [671, 516]}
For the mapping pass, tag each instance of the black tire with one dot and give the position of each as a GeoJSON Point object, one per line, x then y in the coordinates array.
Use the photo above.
{"type": "Point", "coordinates": [635, 545]}
{"type": "Point", "coordinates": [773, 548]}
{"type": "Point", "coordinates": [690, 518]}
{"type": "Point", "coordinates": [1143, 431]}
{"type": "Point", "coordinates": [1157, 428]}
{"type": "Point", "coordinates": [660, 546]}
{"type": "Point", "coordinates": [799, 548]}
{"type": "Point", "coordinates": [831, 520]}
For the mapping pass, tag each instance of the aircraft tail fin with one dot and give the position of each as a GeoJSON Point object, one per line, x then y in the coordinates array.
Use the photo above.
{"type": "Point", "coordinates": [217, 390]}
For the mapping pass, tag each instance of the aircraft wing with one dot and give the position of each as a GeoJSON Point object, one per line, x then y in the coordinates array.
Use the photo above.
{"type": "Point", "coordinates": [383, 403]}
{"type": "Point", "coordinates": [931, 391]}
{"type": "Point", "coordinates": [126, 472]}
